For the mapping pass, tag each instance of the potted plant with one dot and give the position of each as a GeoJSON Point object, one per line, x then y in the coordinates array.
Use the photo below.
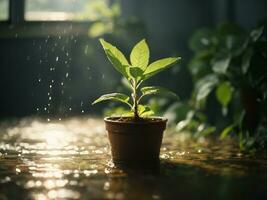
{"type": "Point", "coordinates": [135, 137]}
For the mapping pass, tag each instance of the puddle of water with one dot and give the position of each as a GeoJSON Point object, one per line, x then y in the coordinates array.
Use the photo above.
{"type": "Point", "coordinates": [70, 159]}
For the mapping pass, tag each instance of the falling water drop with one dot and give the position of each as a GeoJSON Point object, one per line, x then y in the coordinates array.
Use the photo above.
{"type": "Point", "coordinates": [57, 58]}
{"type": "Point", "coordinates": [39, 80]}
{"type": "Point", "coordinates": [67, 75]}
{"type": "Point", "coordinates": [48, 119]}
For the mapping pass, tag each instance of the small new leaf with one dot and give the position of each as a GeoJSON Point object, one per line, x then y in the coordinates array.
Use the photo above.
{"type": "Point", "coordinates": [140, 55]}
{"type": "Point", "coordinates": [159, 65]}
{"type": "Point", "coordinates": [145, 111]}
{"type": "Point", "coordinates": [115, 97]}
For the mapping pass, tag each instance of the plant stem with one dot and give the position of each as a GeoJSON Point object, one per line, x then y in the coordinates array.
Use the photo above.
{"type": "Point", "coordinates": [135, 101]}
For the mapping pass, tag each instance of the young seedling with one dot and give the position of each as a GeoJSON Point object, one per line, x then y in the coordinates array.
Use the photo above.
{"type": "Point", "coordinates": [136, 72]}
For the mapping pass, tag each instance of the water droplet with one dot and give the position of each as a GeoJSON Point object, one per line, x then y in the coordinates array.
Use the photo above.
{"type": "Point", "coordinates": [67, 75]}
{"type": "Point", "coordinates": [50, 86]}
{"type": "Point", "coordinates": [45, 108]}
{"type": "Point", "coordinates": [62, 83]}
{"type": "Point", "coordinates": [37, 109]}
{"type": "Point", "coordinates": [70, 109]}
{"type": "Point", "coordinates": [56, 58]}
{"type": "Point", "coordinates": [52, 81]}
{"type": "Point", "coordinates": [48, 119]}
{"type": "Point", "coordinates": [50, 98]}
{"type": "Point", "coordinates": [59, 119]}
{"type": "Point", "coordinates": [82, 111]}
{"type": "Point", "coordinates": [39, 80]}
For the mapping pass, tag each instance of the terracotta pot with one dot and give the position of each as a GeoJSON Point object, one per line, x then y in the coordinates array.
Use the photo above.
{"type": "Point", "coordinates": [135, 142]}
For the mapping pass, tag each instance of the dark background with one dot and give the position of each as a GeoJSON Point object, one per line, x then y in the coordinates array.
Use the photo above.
{"type": "Point", "coordinates": [35, 55]}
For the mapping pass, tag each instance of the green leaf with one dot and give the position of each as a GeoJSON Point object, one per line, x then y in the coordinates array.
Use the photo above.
{"type": "Point", "coordinates": [116, 58]}
{"type": "Point", "coordinates": [151, 90]}
{"type": "Point", "coordinates": [160, 65]}
{"type": "Point", "coordinates": [256, 33]}
{"type": "Point", "coordinates": [144, 111]}
{"type": "Point", "coordinates": [226, 131]}
{"type": "Point", "coordinates": [115, 97]}
{"type": "Point", "coordinates": [136, 73]}
{"type": "Point", "coordinates": [246, 60]}
{"type": "Point", "coordinates": [205, 89]}
{"type": "Point", "coordinates": [220, 66]}
{"type": "Point", "coordinates": [140, 55]}
{"type": "Point", "coordinates": [224, 93]}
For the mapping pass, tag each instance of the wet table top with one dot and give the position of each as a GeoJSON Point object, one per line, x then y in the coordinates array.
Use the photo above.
{"type": "Point", "coordinates": [70, 159]}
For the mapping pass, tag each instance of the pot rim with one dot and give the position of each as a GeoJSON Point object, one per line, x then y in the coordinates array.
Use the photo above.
{"type": "Point", "coordinates": [113, 120]}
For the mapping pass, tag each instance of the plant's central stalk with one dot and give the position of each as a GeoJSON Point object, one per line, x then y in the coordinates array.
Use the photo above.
{"type": "Point", "coordinates": [135, 100]}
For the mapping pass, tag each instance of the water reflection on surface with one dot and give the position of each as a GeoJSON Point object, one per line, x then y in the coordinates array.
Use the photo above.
{"type": "Point", "coordinates": [70, 159]}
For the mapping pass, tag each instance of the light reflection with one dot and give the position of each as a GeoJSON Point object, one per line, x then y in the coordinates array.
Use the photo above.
{"type": "Point", "coordinates": [61, 159]}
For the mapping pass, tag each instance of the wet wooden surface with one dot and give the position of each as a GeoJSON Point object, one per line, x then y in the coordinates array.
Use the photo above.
{"type": "Point", "coordinates": [70, 159]}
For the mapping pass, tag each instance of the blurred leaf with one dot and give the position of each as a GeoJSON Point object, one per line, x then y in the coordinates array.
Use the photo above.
{"type": "Point", "coordinates": [224, 93]}
{"type": "Point", "coordinates": [115, 97]}
{"type": "Point", "coordinates": [99, 28]}
{"type": "Point", "coordinates": [233, 39]}
{"type": "Point", "coordinates": [205, 89]}
{"type": "Point", "coordinates": [246, 60]}
{"type": "Point", "coordinates": [160, 65]}
{"type": "Point", "coordinates": [177, 111]}
{"type": "Point", "coordinates": [116, 58]}
{"type": "Point", "coordinates": [140, 55]}
{"type": "Point", "coordinates": [151, 90]}
{"type": "Point", "coordinates": [207, 131]}
{"type": "Point", "coordinates": [203, 39]}
{"type": "Point", "coordinates": [256, 33]}
{"type": "Point", "coordinates": [184, 123]}
{"type": "Point", "coordinates": [226, 131]}
{"type": "Point", "coordinates": [220, 66]}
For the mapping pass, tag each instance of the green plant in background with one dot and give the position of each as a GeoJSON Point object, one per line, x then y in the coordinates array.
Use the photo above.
{"type": "Point", "coordinates": [135, 73]}
{"type": "Point", "coordinates": [230, 66]}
